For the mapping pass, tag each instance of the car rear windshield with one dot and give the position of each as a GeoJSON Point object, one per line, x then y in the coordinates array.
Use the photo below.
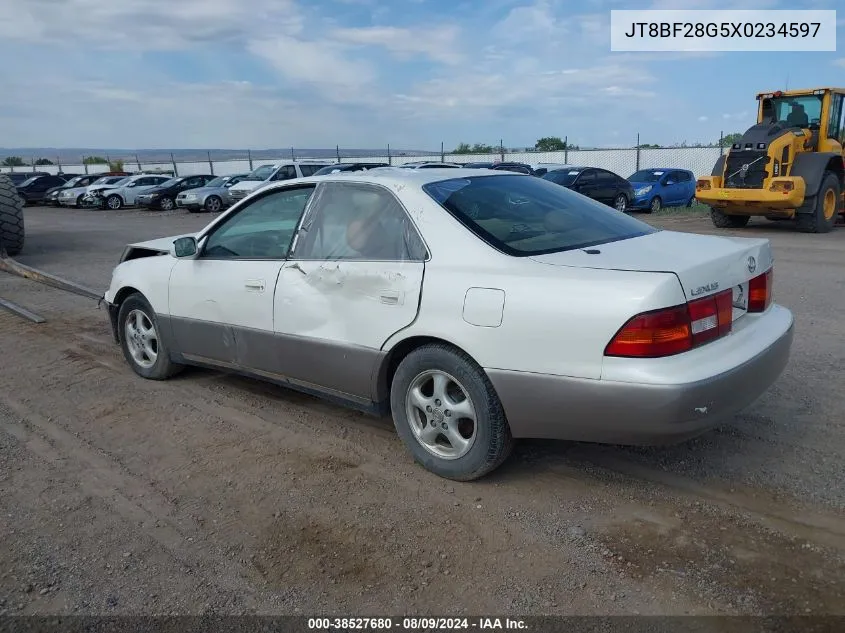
{"type": "Point", "coordinates": [523, 215]}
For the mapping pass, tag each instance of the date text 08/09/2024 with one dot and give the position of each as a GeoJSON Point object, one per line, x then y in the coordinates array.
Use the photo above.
{"type": "Point", "coordinates": [723, 29]}
{"type": "Point", "coordinates": [416, 624]}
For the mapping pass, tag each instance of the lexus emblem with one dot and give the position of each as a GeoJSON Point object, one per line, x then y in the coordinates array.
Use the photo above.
{"type": "Point", "coordinates": [752, 264]}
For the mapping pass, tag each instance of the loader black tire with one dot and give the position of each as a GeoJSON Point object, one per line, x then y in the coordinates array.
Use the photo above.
{"type": "Point", "coordinates": [11, 217]}
{"type": "Point", "coordinates": [725, 221]}
{"type": "Point", "coordinates": [811, 218]}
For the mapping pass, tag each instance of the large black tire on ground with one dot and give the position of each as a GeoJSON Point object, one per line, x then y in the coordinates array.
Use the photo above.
{"type": "Point", "coordinates": [725, 221]}
{"type": "Point", "coordinates": [494, 441]}
{"type": "Point", "coordinates": [811, 217]}
{"type": "Point", "coordinates": [11, 217]}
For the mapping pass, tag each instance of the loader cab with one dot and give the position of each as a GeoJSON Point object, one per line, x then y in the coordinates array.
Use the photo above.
{"type": "Point", "coordinates": [821, 111]}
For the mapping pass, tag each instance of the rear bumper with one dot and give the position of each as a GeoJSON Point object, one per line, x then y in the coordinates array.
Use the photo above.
{"type": "Point", "coordinates": [640, 413]}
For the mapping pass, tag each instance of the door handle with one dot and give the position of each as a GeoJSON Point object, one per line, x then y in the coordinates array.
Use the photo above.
{"type": "Point", "coordinates": [254, 284]}
{"type": "Point", "coordinates": [390, 297]}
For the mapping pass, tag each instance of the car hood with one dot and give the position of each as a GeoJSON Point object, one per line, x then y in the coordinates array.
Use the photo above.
{"type": "Point", "coordinates": [702, 263]}
{"type": "Point", "coordinates": [247, 185]}
{"type": "Point", "coordinates": [157, 189]}
{"type": "Point", "coordinates": [75, 191]}
{"type": "Point", "coordinates": [160, 245]}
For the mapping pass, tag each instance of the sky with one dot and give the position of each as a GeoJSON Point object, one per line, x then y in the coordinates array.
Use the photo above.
{"type": "Point", "coordinates": [257, 74]}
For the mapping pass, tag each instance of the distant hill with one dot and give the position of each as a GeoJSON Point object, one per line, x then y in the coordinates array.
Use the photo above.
{"type": "Point", "coordinates": [73, 155]}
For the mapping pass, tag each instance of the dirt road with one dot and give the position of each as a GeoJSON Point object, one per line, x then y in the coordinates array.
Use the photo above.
{"type": "Point", "coordinates": [216, 493]}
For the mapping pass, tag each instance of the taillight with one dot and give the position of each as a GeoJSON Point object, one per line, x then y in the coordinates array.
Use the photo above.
{"type": "Point", "coordinates": [760, 292]}
{"type": "Point", "coordinates": [674, 330]}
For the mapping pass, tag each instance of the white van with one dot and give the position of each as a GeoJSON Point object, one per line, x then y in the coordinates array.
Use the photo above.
{"type": "Point", "coordinates": [273, 172]}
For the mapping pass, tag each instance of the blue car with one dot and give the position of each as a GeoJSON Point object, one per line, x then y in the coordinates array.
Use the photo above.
{"type": "Point", "coordinates": [658, 187]}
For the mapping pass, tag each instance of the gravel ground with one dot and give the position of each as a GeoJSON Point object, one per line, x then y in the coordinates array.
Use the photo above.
{"type": "Point", "coordinates": [212, 493]}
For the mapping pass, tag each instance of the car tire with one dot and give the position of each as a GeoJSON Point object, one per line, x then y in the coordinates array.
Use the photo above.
{"type": "Point", "coordinates": [213, 204]}
{"type": "Point", "coordinates": [12, 232]}
{"type": "Point", "coordinates": [166, 203]}
{"type": "Point", "coordinates": [655, 205]}
{"type": "Point", "coordinates": [79, 200]}
{"type": "Point", "coordinates": [140, 339]}
{"type": "Point", "coordinates": [820, 213]}
{"type": "Point", "coordinates": [620, 203]}
{"type": "Point", "coordinates": [424, 421]}
{"type": "Point", "coordinates": [114, 202]}
{"type": "Point", "coordinates": [725, 221]}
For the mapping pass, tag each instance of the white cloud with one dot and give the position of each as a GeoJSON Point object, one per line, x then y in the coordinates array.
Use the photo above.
{"type": "Point", "coordinates": [703, 118]}
{"type": "Point", "coordinates": [839, 62]}
{"type": "Point", "coordinates": [437, 43]}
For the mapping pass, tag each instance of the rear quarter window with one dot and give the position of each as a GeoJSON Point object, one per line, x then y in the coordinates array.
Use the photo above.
{"type": "Point", "coordinates": [524, 215]}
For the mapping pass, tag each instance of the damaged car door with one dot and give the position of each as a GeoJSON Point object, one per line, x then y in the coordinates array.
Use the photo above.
{"type": "Point", "coordinates": [221, 300]}
{"type": "Point", "coordinates": [352, 280]}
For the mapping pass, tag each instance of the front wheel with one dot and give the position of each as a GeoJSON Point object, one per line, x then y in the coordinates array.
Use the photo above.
{"type": "Point", "coordinates": [620, 203]}
{"type": "Point", "coordinates": [656, 205]}
{"type": "Point", "coordinates": [448, 414]}
{"type": "Point", "coordinates": [213, 204]}
{"type": "Point", "coordinates": [141, 341]}
{"type": "Point", "coordinates": [819, 215]}
{"type": "Point", "coordinates": [166, 204]}
{"type": "Point", "coordinates": [114, 202]}
{"type": "Point", "coordinates": [725, 221]}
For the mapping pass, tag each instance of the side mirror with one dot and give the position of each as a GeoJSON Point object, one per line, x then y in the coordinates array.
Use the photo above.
{"type": "Point", "coordinates": [184, 247]}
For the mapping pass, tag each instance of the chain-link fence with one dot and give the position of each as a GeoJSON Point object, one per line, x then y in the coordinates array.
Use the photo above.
{"type": "Point", "coordinates": [626, 161]}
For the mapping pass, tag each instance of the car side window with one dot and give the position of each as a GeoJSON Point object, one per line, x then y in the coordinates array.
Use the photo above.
{"type": "Point", "coordinates": [263, 229]}
{"type": "Point", "coordinates": [285, 173]}
{"type": "Point", "coordinates": [195, 181]}
{"type": "Point", "coordinates": [605, 178]}
{"type": "Point", "coordinates": [587, 177]}
{"type": "Point", "coordinates": [309, 170]}
{"type": "Point", "coordinates": [358, 221]}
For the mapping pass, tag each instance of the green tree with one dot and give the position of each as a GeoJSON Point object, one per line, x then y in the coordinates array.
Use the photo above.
{"type": "Point", "coordinates": [44, 161]}
{"type": "Point", "coordinates": [550, 144]}
{"type": "Point", "coordinates": [649, 146]}
{"type": "Point", "coordinates": [462, 148]}
{"type": "Point", "coordinates": [95, 160]}
{"type": "Point", "coordinates": [116, 165]}
{"type": "Point", "coordinates": [13, 161]}
{"type": "Point", "coordinates": [482, 148]}
{"type": "Point", "coordinates": [730, 139]}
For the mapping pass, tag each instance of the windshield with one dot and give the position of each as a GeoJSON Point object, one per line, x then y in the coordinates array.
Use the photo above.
{"type": "Point", "coordinates": [262, 173]}
{"type": "Point", "coordinates": [217, 182]}
{"type": "Point", "coordinates": [801, 111]}
{"type": "Point", "coordinates": [524, 215]}
{"type": "Point", "coordinates": [118, 181]}
{"type": "Point", "coordinates": [72, 182]}
{"type": "Point", "coordinates": [29, 181]}
{"type": "Point", "coordinates": [563, 177]}
{"type": "Point", "coordinates": [170, 183]}
{"type": "Point", "coordinates": [646, 175]}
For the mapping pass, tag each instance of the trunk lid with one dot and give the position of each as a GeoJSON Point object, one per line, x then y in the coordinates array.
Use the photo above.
{"type": "Point", "coordinates": [704, 264]}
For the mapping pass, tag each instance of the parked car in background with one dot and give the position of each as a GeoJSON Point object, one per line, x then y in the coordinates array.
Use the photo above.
{"type": "Point", "coordinates": [430, 164]}
{"type": "Point", "coordinates": [75, 196]}
{"type": "Point", "coordinates": [213, 197]}
{"type": "Point", "coordinates": [124, 193]}
{"type": "Point", "coordinates": [599, 184]}
{"type": "Point", "coordinates": [660, 187]}
{"type": "Point", "coordinates": [163, 196]}
{"type": "Point", "coordinates": [18, 177]}
{"type": "Point", "coordinates": [338, 167]}
{"type": "Point", "coordinates": [51, 197]}
{"type": "Point", "coordinates": [384, 289]}
{"type": "Point", "coordinates": [273, 173]}
{"type": "Point", "coordinates": [540, 169]}
{"type": "Point", "coordinates": [33, 190]}
{"type": "Point", "coordinates": [502, 165]}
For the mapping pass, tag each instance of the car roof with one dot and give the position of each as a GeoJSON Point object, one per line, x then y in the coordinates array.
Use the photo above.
{"type": "Point", "coordinates": [398, 176]}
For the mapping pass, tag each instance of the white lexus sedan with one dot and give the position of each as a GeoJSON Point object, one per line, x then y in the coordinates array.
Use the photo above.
{"type": "Point", "coordinates": [474, 306]}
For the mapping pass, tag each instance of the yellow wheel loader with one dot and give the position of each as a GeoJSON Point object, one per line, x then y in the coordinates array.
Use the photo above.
{"type": "Point", "coordinates": [789, 166]}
